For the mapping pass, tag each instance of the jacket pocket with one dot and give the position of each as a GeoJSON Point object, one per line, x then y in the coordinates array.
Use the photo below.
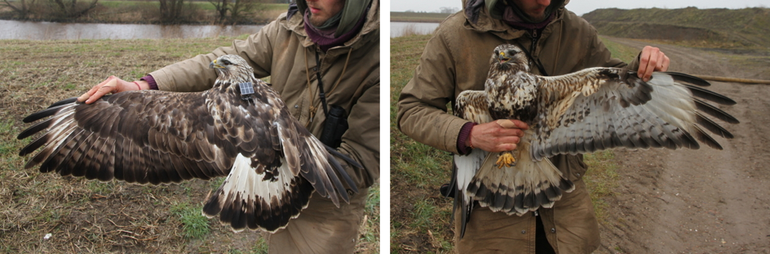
{"type": "Point", "coordinates": [577, 167]}
{"type": "Point", "coordinates": [570, 165]}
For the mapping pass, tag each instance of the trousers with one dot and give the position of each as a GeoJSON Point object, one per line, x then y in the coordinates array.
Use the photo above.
{"type": "Point", "coordinates": [569, 227]}
{"type": "Point", "coordinates": [322, 227]}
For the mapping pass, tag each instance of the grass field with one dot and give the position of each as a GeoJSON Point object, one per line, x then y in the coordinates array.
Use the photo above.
{"type": "Point", "coordinates": [420, 216]}
{"type": "Point", "coordinates": [92, 216]}
{"type": "Point", "coordinates": [710, 28]}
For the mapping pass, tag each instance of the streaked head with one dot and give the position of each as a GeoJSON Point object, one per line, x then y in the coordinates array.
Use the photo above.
{"type": "Point", "coordinates": [232, 67]}
{"type": "Point", "coordinates": [508, 56]}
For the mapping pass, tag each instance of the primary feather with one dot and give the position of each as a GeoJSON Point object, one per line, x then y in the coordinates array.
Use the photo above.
{"type": "Point", "coordinates": [272, 163]}
{"type": "Point", "coordinates": [581, 112]}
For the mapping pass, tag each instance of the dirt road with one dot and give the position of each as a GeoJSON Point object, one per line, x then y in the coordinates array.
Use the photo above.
{"type": "Point", "coordinates": [706, 200]}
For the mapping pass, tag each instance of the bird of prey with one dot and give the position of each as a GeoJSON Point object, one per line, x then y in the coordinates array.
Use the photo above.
{"type": "Point", "coordinates": [240, 128]}
{"type": "Point", "coordinates": [581, 112]}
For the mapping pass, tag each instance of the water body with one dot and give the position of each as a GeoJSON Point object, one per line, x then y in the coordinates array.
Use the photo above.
{"type": "Point", "coordinates": [397, 28]}
{"type": "Point", "coordinates": [29, 30]}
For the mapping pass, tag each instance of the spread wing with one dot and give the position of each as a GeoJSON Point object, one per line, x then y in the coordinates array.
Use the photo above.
{"type": "Point", "coordinates": [273, 164]}
{"type": "Point", "coordinates": [601, 108]}
{"type": "Point", "coordinates": [143, 137]}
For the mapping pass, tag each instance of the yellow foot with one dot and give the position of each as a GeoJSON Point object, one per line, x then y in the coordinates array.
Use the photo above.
{"type": "Point", "coordinates": [505, 160]}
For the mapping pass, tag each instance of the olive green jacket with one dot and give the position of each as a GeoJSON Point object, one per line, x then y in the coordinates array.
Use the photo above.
{"type": "Point", "coordinates": [457, 57]}
{"type": "Point", "coordinates": [283, 51]}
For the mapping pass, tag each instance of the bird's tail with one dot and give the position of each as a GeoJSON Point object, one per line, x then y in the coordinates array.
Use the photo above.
{"type": "Point", "coordinates": [524, 187]}
{"type": "Point", "coordinates": [257, 200]}
{"type": "Point", "coordinates": [266, 199]}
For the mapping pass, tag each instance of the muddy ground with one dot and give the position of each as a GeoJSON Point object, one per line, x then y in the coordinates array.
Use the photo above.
{"type": "Point", "coordinates": [706, 200]}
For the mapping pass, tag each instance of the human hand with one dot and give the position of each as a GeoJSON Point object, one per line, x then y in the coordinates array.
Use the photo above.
{"type": "Point", "coordinates": [111, 85]}
{"type": "Point", "coordinates": [651, 59]}
{"type": "Point", "coordinates": [497, 136]}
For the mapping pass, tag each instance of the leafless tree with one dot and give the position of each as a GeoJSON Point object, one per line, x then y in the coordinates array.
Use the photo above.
{"type": "Point", "coordinates": [170, 10]}
{"type": "Point", "coordinates": [221, 7]}
{"type": "Point", "coordinates": [73, 9]}
{"type": "Point", "coordinates": [240, 8]}
{"type": "Point", "coordinates": [22, 8]}
{"type": "Point", "coordinates": [448, 10]}
{"type": "Point", "coordinates": [236, 8]}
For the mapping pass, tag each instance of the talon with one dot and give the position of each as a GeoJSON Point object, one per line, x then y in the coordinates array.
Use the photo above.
{"type": "Point", "coordinates": [505, 160]}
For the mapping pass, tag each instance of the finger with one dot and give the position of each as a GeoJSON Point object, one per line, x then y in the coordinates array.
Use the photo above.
{"type": "Point", "coordinates": [512, 140]}
{"type": "Point", "coordinates": [663, 62]}
{"type": "Point", "coordinates": [512, 124]}
{"type": "Point", "coordinates": [105, 89]}
{"type": "Point", "coordinates": [505, 123]}
{"type": "Point", "coordinates": [644, 58]}
{"type": "Point", "coordinates": [99, 93]}
{"type": "Point", "coordinates": [94, 89]}
{"type": "Point", "coordinates": [651, 64]}
{"type": "Point", "coordinates": [504, 147]}
{"type": "Point", "coordinates": [507, 140]}
{"type": "Point", "coordinates": [510, 133]}
{"type": "Point", "coordinates": [84, 96]}
{"type": "Point", "coordinates": [521, 125]}
{"type": "Point", "coordinates": [91, 91]}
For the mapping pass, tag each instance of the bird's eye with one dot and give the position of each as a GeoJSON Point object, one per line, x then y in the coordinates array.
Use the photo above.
{"type": "Point", "coordinates": [226, 62]}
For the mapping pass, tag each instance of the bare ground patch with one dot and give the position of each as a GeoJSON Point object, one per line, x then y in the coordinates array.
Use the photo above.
{"type": "Point", "coordinates": [706, 200]}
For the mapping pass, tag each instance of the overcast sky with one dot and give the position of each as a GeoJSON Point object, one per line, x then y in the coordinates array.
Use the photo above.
{"type": "Point", "coordinates": [581, 7]}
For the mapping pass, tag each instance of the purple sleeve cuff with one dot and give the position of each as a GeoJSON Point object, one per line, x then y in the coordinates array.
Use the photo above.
{"type": "Point", "coordinates": [151, 81]}
{"type": "Point", "coordinates": [465, 132]}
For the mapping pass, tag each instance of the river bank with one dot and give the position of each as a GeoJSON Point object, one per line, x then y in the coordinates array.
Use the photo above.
{"type": "Point", "coordinates": [143, 12]}
{"type": "Point", "coordinates": [32, 30]}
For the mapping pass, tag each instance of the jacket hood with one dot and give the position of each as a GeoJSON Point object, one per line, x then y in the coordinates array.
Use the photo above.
{"type": "Point", "coordinates": [370, 30]}
{"type": "Point", "coordinates": [478, 18]}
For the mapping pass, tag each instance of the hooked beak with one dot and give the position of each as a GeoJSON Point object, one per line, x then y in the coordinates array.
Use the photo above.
{"type": "Point", "coordinates": [215, 65]}
{"type": "Point", "coordinates": [503, 58]}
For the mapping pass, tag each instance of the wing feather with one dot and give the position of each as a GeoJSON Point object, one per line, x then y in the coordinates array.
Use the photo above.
{"type": "Point", "coordinates": [714, 111]}
{"type": "Point", "coordinates": [89, 139]}
{"type": "Point", "coordinates": [624, 111]}
{"type": "Point", "coordinates": [709, 95]}
{"type": "Point", "coordinates": [712, 126]}
{"type": "Point", "coordinates": [687, 78]}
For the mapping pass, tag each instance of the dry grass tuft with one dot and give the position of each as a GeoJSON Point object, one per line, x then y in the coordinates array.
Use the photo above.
{"type": "Point", "coordinates": [410, 30]}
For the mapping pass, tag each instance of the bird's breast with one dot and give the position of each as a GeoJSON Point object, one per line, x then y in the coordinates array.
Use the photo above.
{"type": "Point", "coordinates": [513, 102]}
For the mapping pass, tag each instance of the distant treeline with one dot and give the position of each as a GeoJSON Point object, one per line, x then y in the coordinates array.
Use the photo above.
{"type": "Point", "coordinates": [719, 28]}
{"type": "Point", "coordinates": [145, 11]}
{"type": "Point", "coordinates": [418, 16]}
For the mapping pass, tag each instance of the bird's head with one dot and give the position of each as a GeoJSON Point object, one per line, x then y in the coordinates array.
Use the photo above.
{"type": "Point", "coordinates": [233, 68]}
{"type": "Point", "coordinates": [509, 56]}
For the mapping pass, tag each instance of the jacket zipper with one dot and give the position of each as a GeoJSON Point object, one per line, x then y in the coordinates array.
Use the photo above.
{"type": "Point", "coordinates": [532, 48]}
{"type": "Point", "coordinates": [534, 42]}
